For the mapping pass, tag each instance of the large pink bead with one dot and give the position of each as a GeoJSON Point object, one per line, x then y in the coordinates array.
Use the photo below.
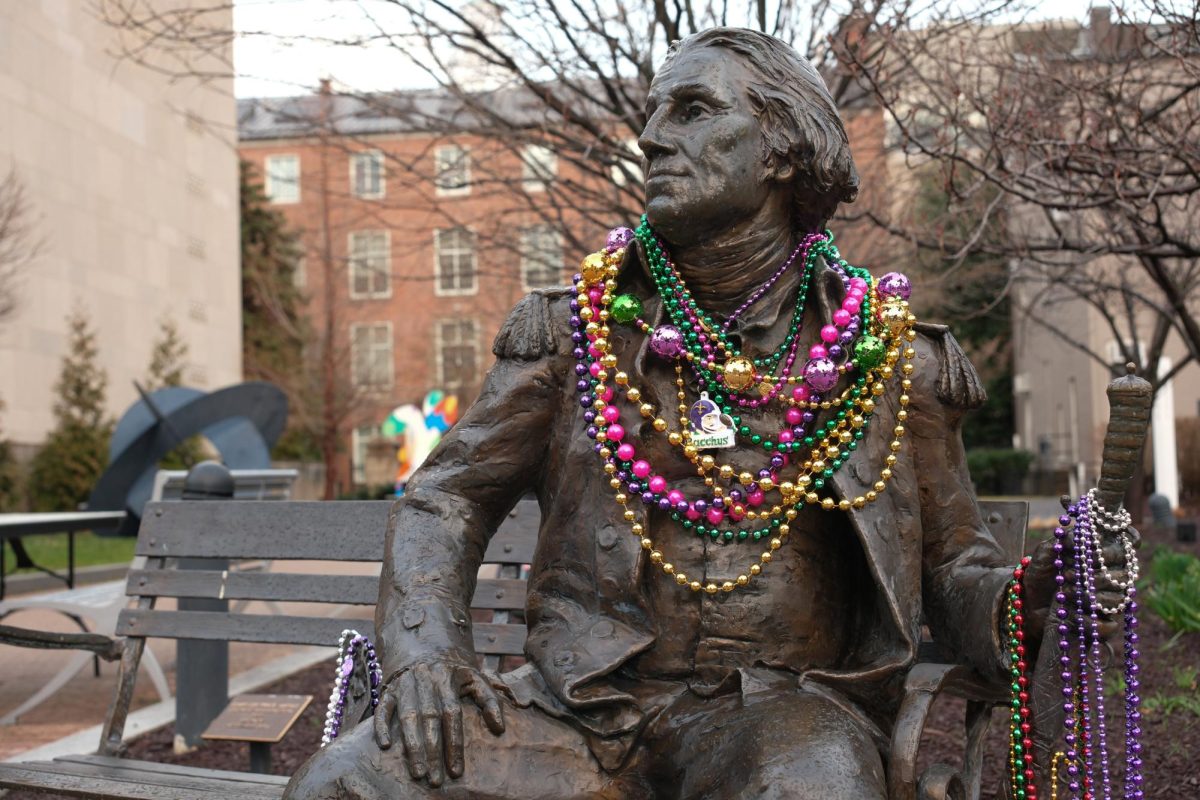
{"type": "Point", "coordinates": [852, 304]}
{"type": "Point", "coordinates": [615, 433]}
{"type": "Point", "coordinates": [829, 334]}
{"type": "Point", "coordinates": [894, 284]}
{"type": "Point", "coordinates": [737, 513]}
{"type": "Point", "coordinates": [794, 416]}
{"type": "Point", "coordinates": [658, 484]}
{"type": "Point", "coordinates": [715, 515]}
{"type": "Point", "coordinates": [607, 395]}
{"type": "Point", "coordinates": [675, 496]}
{"type": "Point", "coordinates": [594, 294]}
{"type": "Point", "coordinates": [641, 468]}
{"type": "Point", "coordinates": [594, 369]}
{"type": "Point", "coordinates": [785, 435]}
{"type": "Point", "coordinates": [820, 374]}
{"type": "Point", "coordinates": [666, 341]}
{"type": "Point", "coordinates": [618, 237]}
{"type": "Point", "coordinates": [858, 283]}
{"type": "Point", "coordinates": [800, 395]}
{"type": "Point", "coordinates": [841, 317]}
{"type": "Point", "coordinates": [817, 351]}
{"type": "Point", "coordinates": [692, 514]}
{"type": "Point", "coordinates": [625, 452]}
{"type": "Point", "coordinates": [611, 414]}
{"type": "Point", "coordinates": [756, 498]}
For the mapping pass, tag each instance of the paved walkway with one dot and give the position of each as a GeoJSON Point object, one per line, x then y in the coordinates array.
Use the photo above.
{"type": "Point", "coordinates": [82, 703]}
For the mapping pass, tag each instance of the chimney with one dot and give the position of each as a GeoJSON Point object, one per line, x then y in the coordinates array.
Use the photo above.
{"type": "Point", "coordinates": [1100, 24]}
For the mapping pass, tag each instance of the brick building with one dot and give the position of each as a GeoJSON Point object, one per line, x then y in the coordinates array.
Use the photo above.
{"type": "Point", "coordinates": [415, 245]}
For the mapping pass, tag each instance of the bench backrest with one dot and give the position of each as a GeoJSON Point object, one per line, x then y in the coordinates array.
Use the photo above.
{"type": "Point", "coordinates": [242, 531]}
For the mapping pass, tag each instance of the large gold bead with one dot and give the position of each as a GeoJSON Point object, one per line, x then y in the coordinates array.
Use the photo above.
{"type": "Point", "coordinates": [894, 315]}
{"type": "Point", "coordinates": [739, 373]}
{"type": "Point", "coordinates": [593, 268]}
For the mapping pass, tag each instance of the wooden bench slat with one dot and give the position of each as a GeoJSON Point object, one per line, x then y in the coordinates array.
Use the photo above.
{"type": "Point", "coordinates": [490, 593]}
{"type": "Point", "coordinates": [504, 639]}
{"type": "Point", "coordinates": [267, 529]}
{"type": "Point", "coordinates": [305, 531]}
{"type": "Point", "coordinates": [172, 769]}
{"type": "Point", "coordinates": [130, 780]}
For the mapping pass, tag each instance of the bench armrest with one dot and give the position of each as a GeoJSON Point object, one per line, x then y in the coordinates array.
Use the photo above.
{"type": "Point", "coordinates": [106, 647]}
{"type": "Point", "coordinates": [924, 683]}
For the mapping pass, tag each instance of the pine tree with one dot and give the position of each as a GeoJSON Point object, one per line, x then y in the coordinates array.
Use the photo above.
{"type": "Point", "coordinates": [76, 451]}
{"type": "Point", "coordinates": [168, 357]}
{"type": "Point", "coordinates": [274, 329]}
{"type": "Point", "coordinates": [9, 486]}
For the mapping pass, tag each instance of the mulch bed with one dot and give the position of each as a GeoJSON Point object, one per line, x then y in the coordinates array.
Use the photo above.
{"type": "Point", "coordinates": [1171, 737]}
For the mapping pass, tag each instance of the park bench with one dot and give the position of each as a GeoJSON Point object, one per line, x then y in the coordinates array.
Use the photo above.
{"type": "Point", "coordinates": [355, 532]}
{"type": "Point", "coordinates": [96, 608]}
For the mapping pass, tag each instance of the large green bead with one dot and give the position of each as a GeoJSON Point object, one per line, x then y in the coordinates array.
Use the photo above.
{"type": "Point", "coordinates": [625, 308]}
{"type": "Point", "coordinates": [869, 352]}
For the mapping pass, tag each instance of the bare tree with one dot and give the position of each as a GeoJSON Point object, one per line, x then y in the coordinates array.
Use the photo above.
{"type": "Point", "coordinates": [18, 239]}
{"type": "Point", "coordinates": [515, 78]}
{"type": "Point", "coordinates": [1075, 147]}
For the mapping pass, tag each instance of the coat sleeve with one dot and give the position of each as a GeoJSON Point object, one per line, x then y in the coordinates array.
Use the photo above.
{"type": "Point", "coordinates": [456, 500]}
{"type": "Point", "coordinates": [964, 571]}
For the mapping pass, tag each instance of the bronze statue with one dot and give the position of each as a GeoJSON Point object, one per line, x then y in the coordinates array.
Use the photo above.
{"type": "Point", "coordinates": [638, 686]}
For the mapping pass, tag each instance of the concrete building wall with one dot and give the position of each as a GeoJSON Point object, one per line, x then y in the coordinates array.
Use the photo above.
{"type": "Point", "coordinates": [133, 187]}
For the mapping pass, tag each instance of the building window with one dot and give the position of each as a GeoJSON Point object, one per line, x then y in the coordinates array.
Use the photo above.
{"type": "Point", "coordinates": [366, 175]}
{"type": "Point", "coordinates": [538, 167]}
{"type": "Point", "coordinates": [454, 256]}
{"type": "Point", "coordinates": [457, 353]}
{"type": "Point", "coordinates": [541, 257]}
{"type": "Point", "coordinates": [371, 355]}
{"type": "Point", "coordinates": [452, 169]}
{"type": "Point", "coordinates": [370, 264]}
{"type": "Point", "coordinates": [300, 273]}
{"type": "Point", "coordinates": [360, 440]}
{"type": "Point", "coordinates": [629, 165]}
{"type": "Point", "coordinates": [283, 178]}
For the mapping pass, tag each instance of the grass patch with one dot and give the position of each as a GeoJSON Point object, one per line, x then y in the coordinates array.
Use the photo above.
{"type": "Point", "coordinates": [50, 550]}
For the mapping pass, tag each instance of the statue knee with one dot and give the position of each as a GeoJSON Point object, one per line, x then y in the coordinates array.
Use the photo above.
{"type": "Point", "coordinates": [349, 769]}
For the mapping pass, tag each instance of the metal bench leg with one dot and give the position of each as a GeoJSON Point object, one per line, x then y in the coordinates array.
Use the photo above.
{"type": "Point", "coordinates": [78, 659]}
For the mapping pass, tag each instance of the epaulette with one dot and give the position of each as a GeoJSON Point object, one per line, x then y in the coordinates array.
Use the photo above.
{"type": "Point", "coordinates": [529, 333]}
{"type": "Point", "coordinates": [958, 383]}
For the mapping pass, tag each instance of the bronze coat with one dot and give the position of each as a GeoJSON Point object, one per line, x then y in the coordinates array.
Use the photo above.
{"type": "Point", "coordinates": [924, 541]}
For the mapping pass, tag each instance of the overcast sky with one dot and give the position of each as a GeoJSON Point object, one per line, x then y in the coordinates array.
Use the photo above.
{"type": "Point", "coordinates": [280, 50]}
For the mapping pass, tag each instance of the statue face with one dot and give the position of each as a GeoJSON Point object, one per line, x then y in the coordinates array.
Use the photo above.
{"type": "Point", "coordinates": [705, 171]}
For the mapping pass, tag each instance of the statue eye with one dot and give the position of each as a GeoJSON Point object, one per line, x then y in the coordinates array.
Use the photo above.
{"type": "Point", "coordinates": [692, 111]}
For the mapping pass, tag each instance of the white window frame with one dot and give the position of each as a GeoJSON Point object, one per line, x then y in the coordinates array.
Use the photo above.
{"type": "Point", "coordinates": [366, 156]}
{"type": "Point", "coordinates": [269, 179]}
{"type": "Point", "coordinates": [352, 259]}
{"type": "Point", "coordinates": [539, 167]}
{"type": "Point", "coordinates": [355, 378]}
{"type": "Point", "coordinates": [440, 159]}
{"type": "Point", "coordinates": [527, 263]}
{"type": "Point", "coordinates": [440, 354]}
{"type": "Point", "coordinates": [438, 291]}
{"type": "Point", "coordinates": [360, 440]}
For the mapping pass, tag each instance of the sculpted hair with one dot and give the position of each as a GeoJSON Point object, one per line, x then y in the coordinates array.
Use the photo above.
{"type": "Point", "coordinates": [800, 123]}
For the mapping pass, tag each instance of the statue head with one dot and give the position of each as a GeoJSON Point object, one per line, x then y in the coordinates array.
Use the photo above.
{"type": "Point", "coordinates": [737, 119]}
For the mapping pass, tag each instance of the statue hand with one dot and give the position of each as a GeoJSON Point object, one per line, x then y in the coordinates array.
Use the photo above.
{"type": "Point", "coordinates": [424, 699]}
{"type": "Point", "coordinates": [1041, 588]}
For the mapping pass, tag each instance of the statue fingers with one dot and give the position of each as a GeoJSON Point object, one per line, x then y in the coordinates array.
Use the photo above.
{"type": "Point", "coordinates": [452, 725]}
{"type": "Point", "coordinates": [410, 728]}
{"type": "Point", "coordinates": [383, 717]}
{"type": "Point", "coordinates": [431, 723]}
{"type": "Point", "coordinates": [476, 686]}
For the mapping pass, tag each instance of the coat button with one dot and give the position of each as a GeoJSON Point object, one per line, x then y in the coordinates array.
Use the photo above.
{"type": "Point", "coordinates": [603, 629]}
